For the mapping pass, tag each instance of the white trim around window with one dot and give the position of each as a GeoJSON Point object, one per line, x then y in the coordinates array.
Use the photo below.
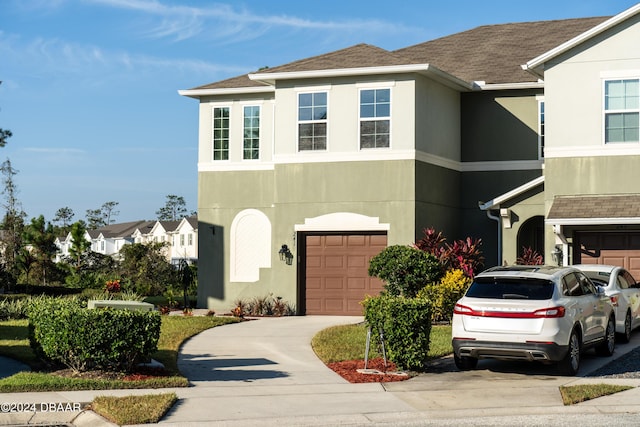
{"type": "Point", "coordinates": [220, 122]}
{"type": "Point", "coordinates": [374, 117]}
{"type": "Point", "coordinates": [254, 126]}
{"type": "Point", "coordinates": [621, 109]}
{"type": "Point", "coordinates": [312, 108]}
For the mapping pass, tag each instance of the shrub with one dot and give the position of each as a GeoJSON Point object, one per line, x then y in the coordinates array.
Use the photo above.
{"type": "Point", "coordinates": [63, 331]}
{"type": "Point", "coordinates": [445, 293]}
{"type": "Point", "coordinates": [529, 257]}
{"type": "Point", "coordinates": [405, 270]}
{"type": "Point", "coordinates": [12, 309]}
{"type": "Point", "coordinates": [406, 327]}
{"type": "Point", "coordinates": [462, 254]}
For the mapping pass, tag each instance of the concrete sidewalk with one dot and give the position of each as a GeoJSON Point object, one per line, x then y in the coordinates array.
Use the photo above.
{"type": "Point", "coordinates": [264, 371]}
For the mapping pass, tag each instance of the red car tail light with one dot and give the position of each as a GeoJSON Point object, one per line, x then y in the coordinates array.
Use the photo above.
{"type": "Point", "coordinates": [545, 313]}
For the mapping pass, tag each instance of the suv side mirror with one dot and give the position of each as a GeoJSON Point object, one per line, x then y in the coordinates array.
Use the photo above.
{"type": "Point", "coordinates": [599, 290]}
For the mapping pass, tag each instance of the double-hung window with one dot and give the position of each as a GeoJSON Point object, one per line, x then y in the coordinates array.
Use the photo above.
{"type": "Point", "coordinates": [622, 110]}
{"type": "Point", "coordinates": [221, 133]}
{"type": "Point", "coordinates": [251, 133]}
{"type": "Point", "coordinates": [375, 118]}
{"type": "Point", "coordinates": [312, 121]}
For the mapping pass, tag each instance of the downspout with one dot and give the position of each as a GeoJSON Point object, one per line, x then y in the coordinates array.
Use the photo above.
{"type": "Point", "coordinates": [499, 221]}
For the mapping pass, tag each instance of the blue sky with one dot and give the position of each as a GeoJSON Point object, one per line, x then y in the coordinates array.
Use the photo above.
{"type": "Point", "coordinates": [90, 86]}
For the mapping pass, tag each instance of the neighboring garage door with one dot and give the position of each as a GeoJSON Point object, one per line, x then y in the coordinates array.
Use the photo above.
{"type": "Point", "coordinates": [622, 249]}
{"type": "Point", "coordinates": [336, 276]}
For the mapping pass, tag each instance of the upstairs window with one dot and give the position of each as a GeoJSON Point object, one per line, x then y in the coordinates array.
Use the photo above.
{"type": "Point", "coordinates": [622, 110]}
{"type": "Point", "coordinates": [251, 133]}
{"type": "Point", "coordinates": [221, 133]}
{"type": "Point", "coordinates": [375, 118]}
{"type": "Point", "coordinates": [312, 121]}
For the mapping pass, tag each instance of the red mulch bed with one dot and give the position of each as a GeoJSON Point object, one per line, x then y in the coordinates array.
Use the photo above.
{"type": "Point", "coordinates": [348, 370]}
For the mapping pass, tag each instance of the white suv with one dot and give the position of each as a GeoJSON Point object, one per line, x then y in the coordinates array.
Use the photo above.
{"type": "Point", "coordinates": [535, 313]}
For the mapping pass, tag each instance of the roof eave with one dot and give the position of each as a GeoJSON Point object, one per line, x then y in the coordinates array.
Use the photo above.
{"type": "Point", "coordinates": [508, 86]}
{"type": "Point", "coordinates": [496, 202]}
{"type": "Point", "coordinates": [426, 69]}
{"type": "Point", "coordinates": [197, 93]}
{"type": "Point", "coordinates": [536, 65]}
{"type": "Point", "coordinates": [593, 221]}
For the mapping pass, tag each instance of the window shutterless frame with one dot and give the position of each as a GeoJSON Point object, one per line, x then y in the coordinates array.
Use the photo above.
{"type": "Point", "coordinates": [220, 138]}
{"type": "Point", "coordinates": [312, 121]}
{"type": "Point", "coordinates": [251, 132]}
{"type": "Point", "coordinates": [621, 110]}
{"type": "Point", "coordinates": [374, 113]}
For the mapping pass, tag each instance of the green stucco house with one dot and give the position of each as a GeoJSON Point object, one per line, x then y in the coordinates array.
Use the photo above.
{"type": "Point", "coordinates": [510, 133]}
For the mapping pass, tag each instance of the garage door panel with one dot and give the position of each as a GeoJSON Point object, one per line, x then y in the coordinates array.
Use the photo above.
{"type": "Point", "coordinates": [634, 263]}
{"type": "Point", "coordinates": [335, 305]}
{"type": "Point", "coordinates": [337, 278]}
{"type": "Point", "coordinates": [334, 240]}
{"type": "Point", "coordinates": [357, 261]}
{"type": "Point", "coordinates": [356, 283]}
{"type": "Point", "coordinates": [333, 283]}
{"type": "Point", "coordinates": [314, 283]}
{"type": "Point", "coordinates": [314, 261]}
{"type": "Point", "coordinates": [334, 261]}
{"type": "Point", "coordinates": [313, 241]}
{"type": "Point", "coordinates": [378, 241]}
{"type": "Point", "coordinates": [613, 260]}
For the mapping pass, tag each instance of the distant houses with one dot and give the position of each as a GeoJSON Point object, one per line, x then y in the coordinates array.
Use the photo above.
{"type": "Point", "coordinates": [181, 238]}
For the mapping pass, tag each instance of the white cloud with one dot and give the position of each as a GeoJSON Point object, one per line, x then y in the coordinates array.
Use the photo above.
{"type": "Point", "coordinates": [43, 56]}
{"type": "Point", "coordinates": [184, 22]}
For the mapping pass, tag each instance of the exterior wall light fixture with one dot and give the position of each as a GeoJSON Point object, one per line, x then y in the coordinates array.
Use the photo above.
{"type": "Point", "coordinates": [557, 254]}
{"type": "Point", "coordinates": [285, 254]}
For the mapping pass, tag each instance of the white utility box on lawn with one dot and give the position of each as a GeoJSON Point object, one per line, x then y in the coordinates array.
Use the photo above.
{"type": "Point", "coordinates": [121, 305]}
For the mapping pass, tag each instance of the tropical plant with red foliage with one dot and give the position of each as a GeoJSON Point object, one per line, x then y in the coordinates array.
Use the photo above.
{"type": "Point", "coordinates": [462, 254]}
{"type": "Point", "coordinates": [112, 286]}
{"type": "Point", "coordinates": [529, 257]}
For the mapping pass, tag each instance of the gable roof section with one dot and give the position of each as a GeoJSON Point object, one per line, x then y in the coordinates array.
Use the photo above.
{"type": "Point", "coordinates": [491, 54]}
{"type": "Point", "coordinates": [536, 65]}
{"type": "Point", "coordinates": [494, 53]}
{"type": "Point", "coordinates": [595, 209]}
{"type": "Point", "coordinates": [123, 229]}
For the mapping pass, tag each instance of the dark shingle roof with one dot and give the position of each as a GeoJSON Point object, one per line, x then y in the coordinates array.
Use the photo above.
{"type": "Point", "coordinates": [123, 229]}
{"type": "Point", "coordinates": [490, 53]}
{"type": "Point", "coordinates": [595, 206]}
{"type": "Point", "coordinates": [357, 56]}
{"type": "Point", "coordinates": [494, 53]}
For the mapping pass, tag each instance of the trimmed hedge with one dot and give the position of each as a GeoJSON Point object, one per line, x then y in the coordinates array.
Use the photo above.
{"type": "Point", "coordinates": [405, 270]}
{"type": "Point", "coordinates": [406, 325]}
{"type": "Point", "coordinates": [63, 331]}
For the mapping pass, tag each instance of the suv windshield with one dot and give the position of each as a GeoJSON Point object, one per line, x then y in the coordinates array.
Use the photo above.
{"type": "Point", "coordinates": [511, 288]}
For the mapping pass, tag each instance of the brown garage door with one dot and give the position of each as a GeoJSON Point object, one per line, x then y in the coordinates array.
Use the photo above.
{"type": "Point", "coordinates": [336, 277]}
{"type": "Point", "coordinates": [614, 248]}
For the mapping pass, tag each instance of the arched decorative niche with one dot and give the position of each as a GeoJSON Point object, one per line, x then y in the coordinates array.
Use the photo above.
{"type": "Point", "coordinates": [250, 245]}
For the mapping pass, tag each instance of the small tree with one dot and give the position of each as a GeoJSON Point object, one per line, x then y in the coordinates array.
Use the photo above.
{"type": "Point", "coordinates": [40, 238]}
{"type": "Point", "coordinates": [79, 244]}
{"type": "Point", "coordinates": [174, 209]}
{"type": "Point", "coordinates": [186, 277]}
{"type": "Point", "coordinates": [101, 217]}
{"type": "Point", "coordinates": [405, 270]}
{"type": "Point", "coordinates": [63, 217]}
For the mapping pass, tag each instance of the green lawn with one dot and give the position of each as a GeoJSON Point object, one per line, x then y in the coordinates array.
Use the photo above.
{"type": "Point", "coordinates": [348, 342]}
{"type": "Point", "coordinates": [174, 331]}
